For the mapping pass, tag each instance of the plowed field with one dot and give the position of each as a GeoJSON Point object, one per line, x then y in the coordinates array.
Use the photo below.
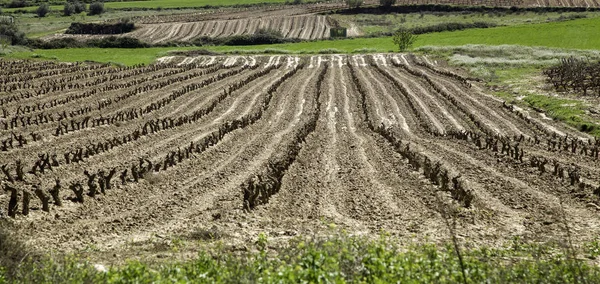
{"type": "Point", "coordinates": [302, 27]}
{"type": "Point", "coordinates": [98, 155]}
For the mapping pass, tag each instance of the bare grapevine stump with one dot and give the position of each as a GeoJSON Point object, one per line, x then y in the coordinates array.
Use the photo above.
{"type": "Point", "coordinates": [26, 200]}
{"type": "Point", "coordinates": [55, 192]}
{"type": "Point", "coordinates": [44, 198]}
{"type": "Point", "coordinates": [13, 204]}
{"type": "Point", "coordinates": [78, 190]}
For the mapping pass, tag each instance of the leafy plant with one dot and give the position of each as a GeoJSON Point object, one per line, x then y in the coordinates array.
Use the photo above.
{"type": "Point", "coordinates": [354, 4]}
{"type": "Point", "coordinates": [96, 8]}
{"type": "Point", "coordinates": [387, 3]}
{"type": "Point", "coordinates": [42, 10]}
{"type": "Point", "coordinates": [404, 39]}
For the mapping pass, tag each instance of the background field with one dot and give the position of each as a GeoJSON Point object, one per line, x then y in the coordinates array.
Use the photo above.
{"type": "Point", "coordinates": [576, 34]}
{"type": "Point", "coordinates": [167, 4]}
{"type": "Point", "coordinates": [374, 24]}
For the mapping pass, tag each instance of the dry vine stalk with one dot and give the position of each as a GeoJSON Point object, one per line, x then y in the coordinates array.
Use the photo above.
{"type": "Point", "coordinates": [576, 75]}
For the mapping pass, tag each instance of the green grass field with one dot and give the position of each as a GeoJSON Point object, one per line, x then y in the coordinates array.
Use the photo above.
{"type": "Point", "coordinates": [373, 24]}
{"type": "Point", "coordinates": [125, 56]}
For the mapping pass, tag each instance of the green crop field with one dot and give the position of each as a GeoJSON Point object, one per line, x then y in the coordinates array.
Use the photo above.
{"type": "Point", "coordinates": [375, 24]}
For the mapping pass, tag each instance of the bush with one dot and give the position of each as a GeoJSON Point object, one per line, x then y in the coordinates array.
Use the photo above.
{"type": "Point", "coordinates": [17, 4]}
{"type": "Point", "coordinates": [68, 9]}
{"type": "Point", "coordinates": [262, 36]}
{"type": "Point", "coordinates": [42, 10]}
{"type": "Point", "coordinates": [387, 3]}
{"type": "Point", "coordinates": [354, 4]}
{"type": "Point", "coordinates": [79, 7]}
{"type": "Point", "coordinates": [107, 42]}
{"type": "Point", "coordinates": [73, 8]}
{"type": "Point", "coordinates": [96, 8]}
{"type": "Point", "coordinates": [404, 39]}
{"type": "Point", "coordinates": [11, 31]}
{"type": "Point", "coordinates": [443, 27]}
{"type": "Point", "coordinates": [93, 28]}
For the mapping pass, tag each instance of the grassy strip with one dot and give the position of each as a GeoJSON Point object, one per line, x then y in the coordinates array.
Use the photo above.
{"type": "Point", "coordinates": [124, 56]}
{"type": "Point", "coordinates": [337, 259]}
{"type": "Point", "coordinates": [569, 111]}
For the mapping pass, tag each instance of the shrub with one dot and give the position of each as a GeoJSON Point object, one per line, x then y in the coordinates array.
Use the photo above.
{"type": "Point", "coordinates": [354, 4]}
{"type": "Point", "coordinates": [93, 28]}
{"type": "Point", "coordinates": [96, 8]}
{"type": "Point", "coordinates": [68, 9]}
{"type": "Point", "coordinates": [11, 31]}
{"type": "Point", "coordinates": [17, 4]}
{"type": "Point", "coordinates": [42, 10]}
{"type": "Point", "coordinates": [107, 42]}
{"type": "Point", "coordinates": [387, 3]}
{"type": "Point", "coordinates": [73, 8]}
{"type": "Point", "coordinates": [262, 36]}
{"type": "Point", "coordinates": [452, 27]}
{"type": "Point", "coordinates": [79, 7]}
{"type": "Point", "coordinates": [404, 39]}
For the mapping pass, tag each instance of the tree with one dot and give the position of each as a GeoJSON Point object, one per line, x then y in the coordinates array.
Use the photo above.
{"type": "Point", "coordinates": [11, 31]}
{"type": "Point", "coordinates": [387, 3]}
{"type": "Point", "coordinates": [79, 7]}
{"type": "Point", "coordinates": [42, 10]}
{"type": "Point", "coordinates": [354, 4]}
{"type": "Point", "coordinates": [96, 8]}
{"type": "Point", "coordinates": [404, 38]}
{"type": "Point", "coordinates": [68, 9]}
{"type": "Point", "coordinates": [4, 41]}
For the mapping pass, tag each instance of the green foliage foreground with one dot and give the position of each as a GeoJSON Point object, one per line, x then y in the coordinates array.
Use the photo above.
{"type": "Point", "coordinates": [337, 259]}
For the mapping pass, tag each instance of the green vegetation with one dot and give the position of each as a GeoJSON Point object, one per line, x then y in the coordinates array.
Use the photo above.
{"type": "Point", "coordinates": [353, 4]}
{"type": "Point", "coordinates": [42, 10]}
{"type": "Point", "coordinates": [576, 34]}
{"type": "Point", "coordinates": [96, 8]}
{"type": "Point", "coordinates": [337, 259]}
{"type": "Point", "coordinates": [72, 8]}
{"type": "Point", "coordinates": [376, 24]}
{"type": "Point", "coordinates": [125, 56]}
{"type": "Point", "coordinates": [569, 111]}
{"type": "Point", "coordinates": [404, 39]}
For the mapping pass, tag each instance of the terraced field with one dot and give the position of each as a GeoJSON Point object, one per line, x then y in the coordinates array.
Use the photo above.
{"type": "Point", "coordinates": [98, 155]}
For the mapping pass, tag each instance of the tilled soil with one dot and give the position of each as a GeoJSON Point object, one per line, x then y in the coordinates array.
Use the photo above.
{"type": "Point", "coordinates": [283, 145]}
